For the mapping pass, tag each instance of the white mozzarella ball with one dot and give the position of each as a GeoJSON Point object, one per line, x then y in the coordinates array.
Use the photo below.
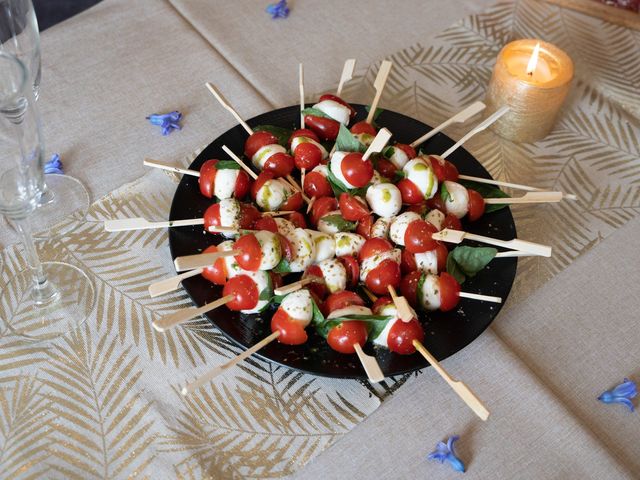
{"type": "Point", "coordinates": [427, 262]}
{"type": "Point", "coordinates": [384, 199]}
{"type": "Point", "coordinates": [389, 310]}
{"type": "Point", "coordinates": [334, 274]}
{"type": "Point", "coordinates": [270, 247]}
{"type": "Point", "coordinates": [285, 227]}
{"type": "Point", "coordinates": [264, 153]}
{"type": "Point", "coordinates": [420, 173]}
{"type": "Point", "coordinates": [230, 263]}
{"type": "Point", "coordinates": [263, 282]}
{"type": "Point", "coordinates": [225, 183]}
{"type": "Point", "coordinates": [373, 261]}
{"type": "Point", "coordinates": [380, 228]}
{"type": "Point", "coordinates": [335, 165]}
{"type": "Point", "coordinates": [399, 226]}
{"type": "Point", "coordinates": [298, 306]}
{"type": "Point", "coordinates": [429, 294]}
{"type": "Point", "coordinates": [327, 227]}
{"type": "Point", "coordinates": [335, 110]}
{"type": "Point", "coordinates": [304, 250]}
{"type": "Point", "coordinates": [230, 215]}
{"type": "Point", "coordinates": [324, 244]}
{"type": "Point", "coordinates": [436, 218]}
{"type": "Point", "coordinates": [348, 243]}
{"type": "Point", "coordinates": [321, 169]}
{"type": "Point", "coordinates": [298, 140]}
{"type": "Point", "coordinates": [273, 194]}
{"type": "Point", "coordinates": [398, 157]}
{"type": "Point", "coordinates": [352, 310]}
{"type": "Point", "coordinates": [364, 138]}
{"type": "Point", "coordinates": [458, 201]}
{"type": "Point", "coordinates": [377, 178]}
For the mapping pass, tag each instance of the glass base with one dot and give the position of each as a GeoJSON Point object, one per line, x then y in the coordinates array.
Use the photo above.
{"type": "Point", "coordinates": [47, 311]}
{"type": "Point", "coordinates": [62, 207]}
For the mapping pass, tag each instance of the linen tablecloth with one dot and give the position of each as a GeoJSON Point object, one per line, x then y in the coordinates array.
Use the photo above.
{"type": "Point", "coordinates": [542, 363]}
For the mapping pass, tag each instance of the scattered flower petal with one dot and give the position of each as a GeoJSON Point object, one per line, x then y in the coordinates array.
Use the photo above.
{"type": "Point", "coordinates": [278, 10]}
{"type": "Point", "coordinates": [445, 452]}
{"type": "Point", "coordinates": [621, 394]}
{"type": "Point", "coordinates": [168, 121]}
{"type": "Point", "coordinates": [54, 165]}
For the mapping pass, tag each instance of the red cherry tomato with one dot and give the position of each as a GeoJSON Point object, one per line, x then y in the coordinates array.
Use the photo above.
{"type": "Point", "coordinates": [216, 273]}
{"type": "Point", "coordinates": [281, 164]}
{"type": "Point", "coordinates": [386, 168]}
{"type": "Point", "coordinates": [363, 127]}
{"type": "Point", "coordinates": [374, 246]}
{"type": "Point", "coordinates": [353, 270]}
{"type": "Point", "coordinates": [343, 337]}
{"type": "Point", "coordinates": [379, 303]}
{"type": "Point", "coordinates": [352, 208]}
{"type": "Point", "coordinates": [408, 262]}
{"type": "Point", "coordinates": [212, 216]}
{"type": "Point", "coordinates": [476, 205]}
{"type": "Point", "coordinates": [245, 293]}
{"type": "Point", "coordinates": [266, 223]}
{"type": "Point", "coordinates": [276, 279]}
{"type": "Point", "coordinates": [321, 207]}
{"type": "Point", "coordinates": [251, 253]}
{"type": "Point", "coordinates": [441, 254]}
{"type": "Point", "coordinates": [385, 274]}
{"type": "Point", "coordinates": [249, 215]}
{"type": "Point", "coordinates": [402, 334]}
{"type": "Point", "coordinates": [317, 185]}
{"type": "Point", "coordinates": [449, 292]}
{"type": "Point", "coordinates": [263, 177]}
{"type": "Point", "coordinates": [409, 191]}
{"type": "Point", "coordinates": [357, 171]}
{"type": "Point", "coordinates": [243, 185]}
{"type": "Point", "coordinates": [291, 331]}
{"type": "Point", "coordinates": [364, 226]}
{"type": "Point", "coordinates": [328, 96]}
{"type": "Point", "coordinates": [285, 246]}
{"type": "Point", "coordinates": [419, 208]}
{"type": "Point", "coordinates": [256, 141]}
{"type": "Point", "coordinates": [409, 287]}
{"type": "Point", "coordinates": [318, 288]}
{"type": "Point", "coordinates": [207, 179]}
{"type": "Point", "coordinates": [407, 149]}
{"type": "Point", "coordinates": [436, 203]}
{"type": "Point", "coordinates": [298, 220]}
{"type": "Point", "coordinates": [417, 236]}
{"type": "Point", "coordinates": [302, 132]}
{"type": "Point", "coordinates": [307, 155]}
{"type": "Point", "coordinates": [294, 202]}
{"type": "Point", "coordinates": [443, 169]}
{"type": "Point", "coordinates": [451, 222]}
{"type": "Point", "coordinates": [325, 128]}
{"type": "Point", "coordinates": [342, 299]}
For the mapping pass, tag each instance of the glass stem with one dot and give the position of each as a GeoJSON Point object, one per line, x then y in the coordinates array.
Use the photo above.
{"type": "Point", "coordinates": [42, 290]}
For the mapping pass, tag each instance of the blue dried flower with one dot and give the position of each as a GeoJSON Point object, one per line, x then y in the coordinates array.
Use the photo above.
{"type": "Point", "coordinates": [621, 394]}
{"type": "Point", "coordinates": [54, 165]}
{"type": "Point", "coordinates": [278, 10]}
{"type": "Point", "coordinates": [445, 452]}
{"type": "Point", "coordinates": [168, 121]}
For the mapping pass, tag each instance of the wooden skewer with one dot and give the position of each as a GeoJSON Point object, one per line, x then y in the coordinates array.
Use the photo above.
{"type": "Point", "coordinates": [516, 186]}
{"type": "Point", "coordinates": [138, 223]}
{"type": "Point", "coordinates": [211, 374]}
{"type": "Point", "coordinates": [530, 197]}
{"type": "Point", "coordinates": [482, 298]}
{"type": "Point", "coordinates": [369, 294]}
{"type": "Point", "coordinates": [218, 229]}
{"type": "Point", "coordinates": [301, 87]}
{"type": "Point", "coordinates": [170, 321]}
{"type": "Point", "coordinates": [171, 284]}
{"type": "Point", "coordinates": [515, 253]}
{"type": "Point", "coordinates": [201, 260]}
{"type": "Point", "coordinates": [165, 166]}
{"type": "Point", "coordinates": [303, 174]}
{"type": "Point", "coordinates": [378, 143]}
{"type": "Point", "coordinates": [477, 129]}
{"type": "Point", "coordinates": [378, 84]}
{"type": "Point", "coordinates": [370, 365]}
{"type": "Point", "coordinates": [278, 213]}
{"type": "Point", "coordinates": [459, 117]}
{"type": "Point", "coordinates": [401, 304]}
{"type": "Point", "coordinates": [310, 205]}
{"type": "Point", "coordinates": [457, 236]}
{"type": "Point", "coordinates": [227, 106]}
{"type": "Point", "coordinates": [459, 387]}
{"type": "Point", "coordinates": [347, 74]}
{"type": "Point", "coordinates": [292, 287]}
{"type": "Point", "coordinates": [237, 159]}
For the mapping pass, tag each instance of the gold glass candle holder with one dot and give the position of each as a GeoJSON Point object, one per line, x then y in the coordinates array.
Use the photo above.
{"type": "Point", "coordinates": [533, 90]}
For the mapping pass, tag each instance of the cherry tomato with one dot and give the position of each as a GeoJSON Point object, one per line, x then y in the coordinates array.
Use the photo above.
{"type": "Point", "coordinates": [256, 141]}
{"type": "Point", "coordinates": [353, 269]}
{"type": "Point", "coordinates": [249, 215]}
{"type": "Point", "coordinates": [281, 164]}
{"type": "Point", "coordinates": [302, 132]}
{"type": "Point", "coordinates": [441, 254]}
{"type": "Point", "coordinates": [291, 331]}
{"type": "Point", "coordinates": [341, 299]}
{"type": "Point", "coordinates": [244, 290]}
{"type": "Point", "coordinates": [407, 262]}
{"type": "Point", "coordinates": [443, 169]}
{"type": "Point", "coordinates": [294, 202]}
{"type": "Point", "coordinates": [317, 185]}
{"type": "Point", "coordinates": [409, 191]}
{"type": "Point", "coordinates": [386, 168]}
{"type": "Point", "coordinates": [357, 171]}
{"type": "Point", "coordinates": [419, 208]}
{"type": "Point", "coordinates": [409, 287]}
{"type": "Point", "coordinates": [263, 177]}
{"type": "Point", "coordinates": [276, 279]}
{"type": "Point", "coordinates": [379, 303]}
{"type": "Point", "coordinates": [476, 205]}
{"type": "Point", "coordinates": [417, 236]}
{"type": "Point", "coordinates": [402, 334]}
{"type": "Point", "coordinates": [216, 273]}
{"type": "Point", "coordinates": [298, 220]}
{"type": "Point", "coordinates": [328, 96]}
{"type": "Point", "coordinates": [285, 246]}
{"type": "Point", "coordinates": [451, 222]}
{"type": "Point", "coordinates": [343, 337]}
{"type": "Point", "coordinates": [364, 226]}
{"type": "Point", "coordinates": [325, 128]}
{"type": "Point", "coordinates": [207, 179]}
{"type": "Point", "coordinates": [266, 223]}
{"type": "Point", "coordinates": [374, 246]}
{"type": "Point", "coordinates": [307, 156]}
{"type": "Point", "coordinates": [385, 274]}
{"type": "Point", "coordinates": [319, 288]}
{"type": "Point", "coordinates": [449, 292]}
{"type": "Point", "coordinates": [251, 253]}
{"type": "Point", "coordinates": [243, 185]}
{"type": "Point", "coordinates": [407, 149]}
{"type": "Point", "coordinates": [352, 208]}
{"type": "Point", "coordinates": [321, 207]}
{"type": "Point", "coordinates": [212, 216]}
{"type": "Point", "coordinates": [363, 127]}
{"type": "Point", "coordinates": [436, 203]}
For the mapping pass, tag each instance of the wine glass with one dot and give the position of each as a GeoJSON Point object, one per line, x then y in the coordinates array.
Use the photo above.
{"type": "Point", "coordinates": [63, 200]}
{"type": "Point", "coordinates": [46, 299]}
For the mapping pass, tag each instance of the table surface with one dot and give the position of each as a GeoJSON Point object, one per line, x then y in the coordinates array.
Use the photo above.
{"type": "Point", "coordinates": [545, 359]}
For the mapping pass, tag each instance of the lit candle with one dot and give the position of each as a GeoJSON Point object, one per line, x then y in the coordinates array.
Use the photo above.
{"type": "Point", "coordinates": [532, 78]}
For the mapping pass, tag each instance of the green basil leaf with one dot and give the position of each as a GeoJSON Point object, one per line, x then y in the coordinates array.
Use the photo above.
{"type": "Point", "coordinates": [375, 115]}
{"type": "Point", "coordinates": [421, 280]}
{"type": "Point", "coordinates": [277, 299]}
{"type": "Point", "coordinates": [444, 192]}
{"type": "Point", "coordinates": [315, 112]}
{"type": "Point", "coordinates": [454, 270]}
{"type": "Point", "coordinates": [267, 293]}
{"type": "Point", "coordinates": [318, 317]}
{"type": "Point", "coordinates": [336, 185]}
{"type": "Point", "coordinates": [340, 223]}
{"type": "Point", "coordinates": [387, 151]}
{"type": "Point", "coordinates": [398, 175]}
{"type": "Point", "coordinates": [282, 134]}
{"type": "Point", "coordinates": [468, 261]}
{"type": "Point", "coordinates": [346, 142]}
{"type": "Point", "coordinates": [363, 318]}
{"type": "Point", "coordinates": [227, 165]}
{"type": "Point", "coordinates": [487, 191]}
{"type": "Point", "coordinates": [282, 267]}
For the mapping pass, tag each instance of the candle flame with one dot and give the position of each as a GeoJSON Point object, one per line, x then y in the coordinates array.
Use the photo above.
{"type": "Point", "coordinates": [533, 61]}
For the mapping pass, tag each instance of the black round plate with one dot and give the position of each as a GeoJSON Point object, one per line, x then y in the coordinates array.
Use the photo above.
{"type": "Point", "coordinates": [446, 333]}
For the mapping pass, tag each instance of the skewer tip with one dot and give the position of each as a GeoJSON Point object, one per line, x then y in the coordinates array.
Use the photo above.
{"type": "Point", "coordinates": [157, 327]}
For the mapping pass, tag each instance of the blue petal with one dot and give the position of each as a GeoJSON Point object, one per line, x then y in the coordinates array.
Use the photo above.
{"type": "Point", "coordinates": [626, 389]}
{"type": "Point", "coordinates": [440, 457]}
{"type": "Point", "coordinates": [444, 452]}
{"type": "Point", "coordinates": [167, 121]}
{"type": "Point", "coordinates": [455, 462]}
{"type": "Point", "coordinates": [278, 10]}
{"type": "Point", "coordinates": [54, 165]}
{"type": "Point", "coordinates": [450, 443]}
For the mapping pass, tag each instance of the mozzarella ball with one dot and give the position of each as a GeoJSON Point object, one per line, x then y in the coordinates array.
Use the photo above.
{"type": "Point", "coordinates": [384, 199]}
{"type": "Point", "coordinates": [348, 243]}
{"type": "Point", "coordinates": [303, 250]}
{"type": "Point", "coordinates": [420, 173]}
{"type": "Point", "coordinates": [364, 138]}
{"type": "Point", "coordinates": [273, 194]}
{"type": "Point", "coordinates": [427, 261]}
{"type": "Point", "coordinates": [399, 226]}
{"type": "Point", "coordinates": [328, 227]}
{"type": "Point", "coordinates": [270, 247]}
{"type": "Point", "coordinates": [225, 183]}
{"type": "Point", "coordinates": [373, 261]}
{"type": "Point", "coordinates": [324, 244]}
{"type": "Point", "coordinates": [285, 227]}
{"type": "Point", "coordinates": [398, 157]}
{"type": "Point", "coordinates": [380, 228]}
{"type": "Point", "coordinates": [321, 169]}
{"type": "Point", "coordinates": [263, 282]}
{"type": "Point", "coordinates": [298, 140]}
{"type": "Point", "coordinates": [429, 294]}
{"type": "Point", "coordinates": [230, 215]}
{"type": "Point", "coordinates": [335, 165]}
{"type": "Point", "coordinates": [435, 217]}
{"type": "Point", "coordinates": [335, 110]}
{"type": "Point", "coordinates": [264, 153]}
{"type": "Point", "coordinates": [352, 310]}
{"type": "Point", "coordinates": [334, 274]}
{"type": "Point", "coordinates": [299, 307]}
{"type": "Point", "coordinates": [230, 262]}
{"type": "Point", "coordinates": [458, 201]}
